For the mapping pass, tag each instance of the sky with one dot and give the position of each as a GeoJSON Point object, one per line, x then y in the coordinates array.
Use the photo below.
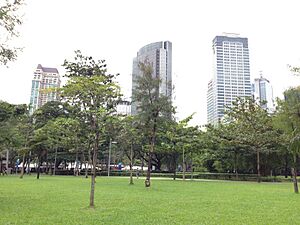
{"type": "Point", "coordinates": [115, 30]}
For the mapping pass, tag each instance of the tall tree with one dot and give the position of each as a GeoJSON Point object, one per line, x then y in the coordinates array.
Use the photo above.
{"type": "Point", "coordinates": [180, 139]}
{"type": "Point", "coordinates": [288, 120]}
{"type": "Point", "coordinates": [96, 94]}
{"type": "Point", "coordinates": [129, 141]}
{"type": "Point", "coordinates": [152, 106]}
{"type": "Point", "coordinates": [254, 128]}
{"type": "Point", "coordinates": [11, 117]}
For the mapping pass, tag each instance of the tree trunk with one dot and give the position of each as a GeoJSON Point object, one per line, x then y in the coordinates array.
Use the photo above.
{"type": "Point", "coordinates": [28, 164]}
{"type": "Point", "coordinates": [142, 159]}
{"type": "Point", "coordinates": [90, 162]}
{"type": "Point", "coordinates": [294, 173]}
{"type": "Point", "coordinates": [50, 169]}
{"type": "Point", "coordinates": [258, 167]}
{"type": "Point", "coordinates": [131, 156]}
{"type": "Point", "coordinates": [93, 178]}
{"type": "Point", "coordinates": [47, 163]}
{"type": "Point", "coordinates": [95, 150]}
{"type": "Point", "coordinates": [183, 164]}
{"type": "Point", "coordinates": [76, 169]}
{"type": "Point", "coordinates": [109, 155]}
{"type": "Point", "coordinates": [55, 159]}
{"type": "Point", "coordinates": [147, 181]}
{"type": "Point", "coordinates": [7, 161]}
{"type": "Point", "coordinates": [22, 170]}
{"type": "Point", "coordinates": [38, 169]}
{"type": "Point", "coordinates": [175, 165]}
{"type": "Point", "coordinates": [192, 168]}
{"type": "Point", "coordinates": [235, 166]}
{"type": "Point", "coordinates": [151, 150]}
{"type": "Point", "coordinates": [1, 169]}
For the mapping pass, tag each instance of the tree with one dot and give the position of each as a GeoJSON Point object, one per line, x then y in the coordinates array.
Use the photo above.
{"type": "Point", "coordinates": [230, 147]}
{"type": "Point", "coordinates": [253, 127]}
{"type": "Point", "coordinates": [62, 133]}
{"type": "Point", "coordinates": [41, 142]}
{"type": "Point", "coordinates": [152, 106]}
{"type": "Point", "coordinates": [38, 145]}
{"type": "Point", "coordinates": [287, 119]}
{"type": "Point", "coordinates": [179, 138]}
{"type": "Point", "coordinates": [96, 94]}
{"type": "Point", "coordinates": [11, 139]}
{"type": "Point", "coordinates": [9, 20]}
{"type": "Point", "coordinates": [25, 129]}
{"type": "Point", "coordinates": [129, 140]}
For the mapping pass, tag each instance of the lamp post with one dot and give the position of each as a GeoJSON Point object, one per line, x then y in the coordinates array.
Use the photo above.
{"type": "Point", "coordinates": [109, 155]}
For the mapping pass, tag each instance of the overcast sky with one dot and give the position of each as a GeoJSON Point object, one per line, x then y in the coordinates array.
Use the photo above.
{"type": "Point", "coordinates": [115, 30]}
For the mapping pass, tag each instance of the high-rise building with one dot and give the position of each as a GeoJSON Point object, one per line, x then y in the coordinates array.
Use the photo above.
{"type": "Point", "coordinates": [159, 55]}
{"type": "Point", "coordinates": [43, 78]}
{"type": "Point", "coordinates": [231, 74]}
{"type": "Point", "coordinates": [263, 93]}
{"type": "Point", "coordinates": [124, 108]}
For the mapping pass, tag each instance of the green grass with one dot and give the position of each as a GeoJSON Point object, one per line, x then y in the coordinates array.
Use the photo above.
{"type": "Point", "coordinates": [64, 200]}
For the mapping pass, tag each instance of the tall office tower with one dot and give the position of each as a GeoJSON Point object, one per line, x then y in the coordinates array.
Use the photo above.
{"type": "Point", "coordinates": [124, 108]}
{"type": "Point", "coordinates": [263, 93]}
{"type": "Point", "coordinates": [231, 74]}
{"type": "Point", "coordinates": [43, 78]}
{"type": "Point", "coordinates": [159, 55]}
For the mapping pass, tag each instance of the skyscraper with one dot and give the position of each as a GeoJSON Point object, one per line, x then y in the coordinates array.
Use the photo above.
{"type": "Point", "coordinates": [43, 78]}
{"type": "Point", "coordinates": [124, 108]}
{"type": "Point", "coordinates": [263, 93]}
{"type": "Point", "coordinates": [159, 55]}
{"type": "Point", "coordinates": [231, 74]}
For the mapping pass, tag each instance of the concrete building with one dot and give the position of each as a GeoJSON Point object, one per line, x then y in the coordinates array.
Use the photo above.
{"type": "Point", "coordinates": [263, 93]}
{"type": "Point", "coordinates": [231, 74]}
{"type": "Point", "coordinates": [43, 78]}
{"type": "Point", "coordinates": [124, 108]}
{"type": "Point", "coordinates": [159, 55]}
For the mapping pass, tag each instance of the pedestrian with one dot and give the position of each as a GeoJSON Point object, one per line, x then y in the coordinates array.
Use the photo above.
{"type": "Point", "coordinates": [137, 173]}
{"type": "Point", "coordinates": [4, 171]}
{"type": "Point", "coordinates": [27, 169]}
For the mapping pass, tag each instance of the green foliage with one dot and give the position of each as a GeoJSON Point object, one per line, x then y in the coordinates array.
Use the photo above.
{"type": "Point", "coordinates": [252, 124]}
{"type": "Point", "coordinates": [13, 127]}
{"type": "Point", "coordinates": [94, 94]}
{"type": "Point", "coordinates": [9, 20]}
{"type": "Point", "coordinates": [287, 119]}
{"type": "Point", "coordinates": [152, 106]}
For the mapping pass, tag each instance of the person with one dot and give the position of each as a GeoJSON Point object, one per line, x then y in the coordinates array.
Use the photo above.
{"type": "Point", "coordinates": [137, 173]}
{"type": "Point", "coordinates": [27, 169]}
{"type": "Point", "coordinates": [179, 168]}
{"type": "Point", "coordinates": [4, 171]}
{"type": "Point", "coordinates": [120, 166]}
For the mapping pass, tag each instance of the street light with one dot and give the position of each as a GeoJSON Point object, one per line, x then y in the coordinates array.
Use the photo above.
{"type": "Point", "coordinates": [109, 155]}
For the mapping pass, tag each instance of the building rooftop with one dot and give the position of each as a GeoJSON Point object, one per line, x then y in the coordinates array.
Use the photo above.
{"type": "Point", "coordinates": [47, 69]}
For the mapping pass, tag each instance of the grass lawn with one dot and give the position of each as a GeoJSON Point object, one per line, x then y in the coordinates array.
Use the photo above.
{"type": "Point", "coordinates": [64, 200]}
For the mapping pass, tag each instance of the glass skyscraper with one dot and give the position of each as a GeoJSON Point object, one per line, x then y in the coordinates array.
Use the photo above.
{"type": "Point", "coordinates": [263, 93]}
{"type": "Point", "coordinates": [43, 78]}
{"type": "Point", "coordinates": [231, 74]}
{"type": "Point", "coordinates": [159, 55]}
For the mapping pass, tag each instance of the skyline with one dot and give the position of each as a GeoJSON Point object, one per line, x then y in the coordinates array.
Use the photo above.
{"type": "Point", "coordinates": [51, 34]}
